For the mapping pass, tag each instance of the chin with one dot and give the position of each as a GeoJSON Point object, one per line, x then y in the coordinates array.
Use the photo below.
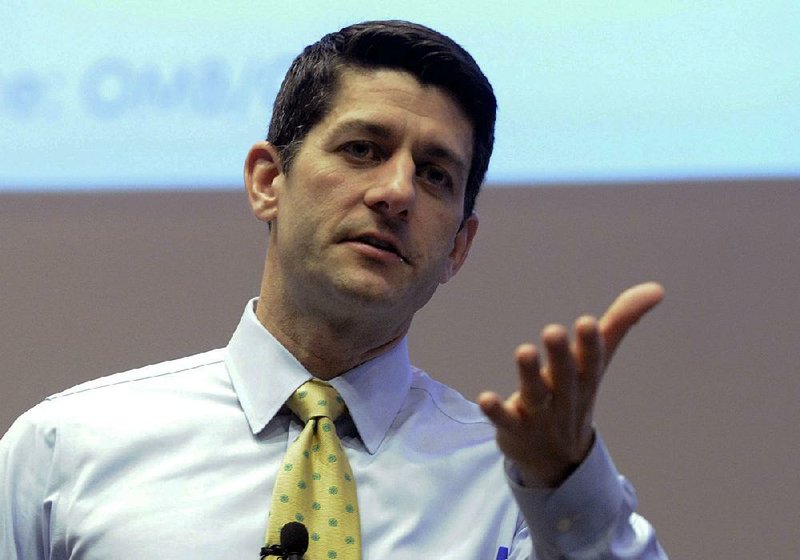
{"type": "Point", "coordinates": [379, 292]}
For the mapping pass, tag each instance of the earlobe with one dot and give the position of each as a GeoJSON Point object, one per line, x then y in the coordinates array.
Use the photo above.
{"type": "Point", "coordinates": [461, 246]}
{"type": "Point", "coordinates": [262, 172]}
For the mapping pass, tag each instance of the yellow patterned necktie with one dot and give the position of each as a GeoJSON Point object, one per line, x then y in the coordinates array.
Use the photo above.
{"type": "Point", "coordinates": [315, 485]}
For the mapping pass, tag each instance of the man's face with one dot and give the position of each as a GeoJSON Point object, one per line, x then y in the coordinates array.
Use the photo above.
{"type": "Point", "coordinates": [368, 217]}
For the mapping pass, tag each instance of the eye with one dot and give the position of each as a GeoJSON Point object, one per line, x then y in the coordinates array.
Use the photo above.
{"type": "Point", "coordinates": [436, 177]}
{"type": "Point", "coordinates": [360, 150]}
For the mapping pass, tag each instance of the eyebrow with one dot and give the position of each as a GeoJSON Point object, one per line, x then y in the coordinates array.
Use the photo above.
{"type": "Point", "coordinates": [363, 125]}
{"type": "Point", "coordinates": [430, 149]}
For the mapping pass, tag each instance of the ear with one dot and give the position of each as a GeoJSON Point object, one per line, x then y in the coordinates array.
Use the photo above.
{"type": "Point", "coordinates": [461, 246]}
{"type": "Point", "coordinates": [263, 173]}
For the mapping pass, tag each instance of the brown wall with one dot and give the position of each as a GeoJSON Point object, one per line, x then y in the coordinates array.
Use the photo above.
{"type": "Point", "coordinates": [700, 406]}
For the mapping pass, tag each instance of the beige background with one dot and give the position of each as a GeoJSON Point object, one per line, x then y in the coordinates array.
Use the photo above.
{"type": "Point", "coordinates": [700, 407]}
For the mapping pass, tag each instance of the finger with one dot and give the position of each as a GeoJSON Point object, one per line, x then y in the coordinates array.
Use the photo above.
{"type": "Point", "coordinates": [626, 311]}
{"type": "Point", "coordinates": [533, 389]}
{"type": "Point", "coordinates": [495, 410]}
{"type": "Point", "coordinates": [560, 365]}
{"type": "Point", "coordinates": [588, 350]}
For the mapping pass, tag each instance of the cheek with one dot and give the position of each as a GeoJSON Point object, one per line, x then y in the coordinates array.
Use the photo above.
{"type": "Point", "coordinates": [306, 192]}
{"type": "Point", "coordinates": [440, 244]}
{"type": "Point", "coordinates": [449, 247]}
{"type": "Point", "coordinates": [329, 192]}
{"type": "Point", "coordinates": [445, 224]}
{"type": "Point", "coordinates": [324, 174]}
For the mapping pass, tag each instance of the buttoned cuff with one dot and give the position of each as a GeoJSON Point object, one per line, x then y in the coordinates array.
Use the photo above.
{"type": "Point", "coordinates": [578, 514]}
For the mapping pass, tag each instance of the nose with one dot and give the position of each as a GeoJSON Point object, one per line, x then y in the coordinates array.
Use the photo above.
{"type": "Point", "coordinates": [393, 191]}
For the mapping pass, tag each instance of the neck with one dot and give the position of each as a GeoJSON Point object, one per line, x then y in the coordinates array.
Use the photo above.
{"type": "Point", "coordinates": [326, 349]}
{"type": "Point", "coordinates": [327, 344]}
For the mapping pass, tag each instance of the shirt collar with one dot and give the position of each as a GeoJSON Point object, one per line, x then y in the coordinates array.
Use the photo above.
{"type": "Point", "coordinates": [264, 375]}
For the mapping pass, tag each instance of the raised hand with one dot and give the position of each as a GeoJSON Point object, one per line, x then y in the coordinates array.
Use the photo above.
{"type": "Point", "coordinates": [545, 428]}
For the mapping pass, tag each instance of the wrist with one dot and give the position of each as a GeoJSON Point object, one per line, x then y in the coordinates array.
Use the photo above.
{"type": "Point", "coordinates": [552, 474]}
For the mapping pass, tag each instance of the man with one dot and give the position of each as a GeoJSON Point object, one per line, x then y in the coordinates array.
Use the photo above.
{"type": "Point", "coordinates": [380, 138]}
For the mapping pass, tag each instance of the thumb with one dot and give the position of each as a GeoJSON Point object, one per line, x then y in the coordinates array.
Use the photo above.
{"type": "Point", "coordinates": [630, 306]}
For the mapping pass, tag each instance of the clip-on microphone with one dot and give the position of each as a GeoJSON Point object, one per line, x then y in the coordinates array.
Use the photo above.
{"type": "Point", "coordinates": [294, 543]}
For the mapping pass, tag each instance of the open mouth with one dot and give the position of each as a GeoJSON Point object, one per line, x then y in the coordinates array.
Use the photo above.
{"type": "Point", "coordinates": [381, 244]}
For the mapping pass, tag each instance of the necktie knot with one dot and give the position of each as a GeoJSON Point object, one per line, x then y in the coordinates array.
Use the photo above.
{"type": "Point", "coordinates": [316, 398]}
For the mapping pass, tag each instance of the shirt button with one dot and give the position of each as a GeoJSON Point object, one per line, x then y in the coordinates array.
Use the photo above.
{"type": "Point", "coordinates": [564, 525]}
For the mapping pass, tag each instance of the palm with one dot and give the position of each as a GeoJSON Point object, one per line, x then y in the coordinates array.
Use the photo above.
{"type": "Point", "coordinates": [545, 428]}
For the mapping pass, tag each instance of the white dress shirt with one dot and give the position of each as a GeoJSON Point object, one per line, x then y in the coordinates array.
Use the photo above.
{"type": "Point", "coordinates": [177, 460]}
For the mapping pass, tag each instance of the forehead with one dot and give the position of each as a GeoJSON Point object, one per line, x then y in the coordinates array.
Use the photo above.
{"type": "Point", "coordinates": [395, 99]}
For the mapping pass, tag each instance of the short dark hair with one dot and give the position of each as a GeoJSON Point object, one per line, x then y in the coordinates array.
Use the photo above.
{"type": "Point", "coordinates": [310, 85]}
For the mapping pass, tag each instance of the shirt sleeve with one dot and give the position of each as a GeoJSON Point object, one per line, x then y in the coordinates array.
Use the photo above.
{"type": "Point", "coordinates": [592, 515]}
{"type": "Point", "coordinates": [26, 460]}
